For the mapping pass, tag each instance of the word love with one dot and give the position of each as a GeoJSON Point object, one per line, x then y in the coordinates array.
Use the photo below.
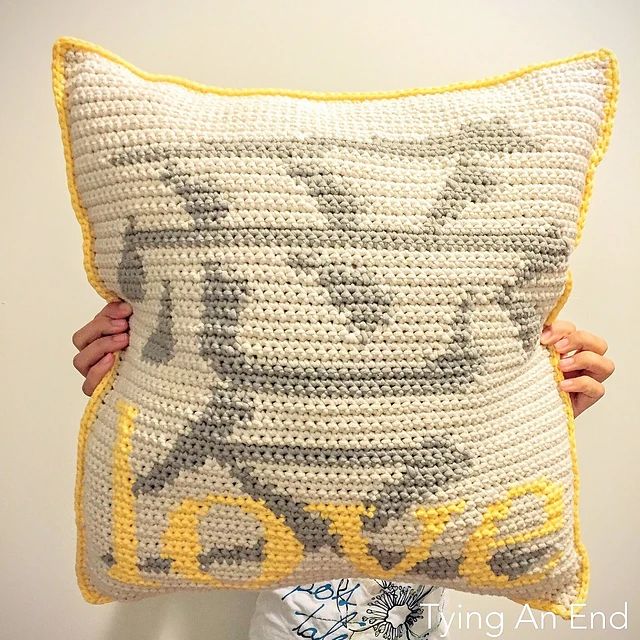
{"type": "Point", "coordinates": [283, 552]}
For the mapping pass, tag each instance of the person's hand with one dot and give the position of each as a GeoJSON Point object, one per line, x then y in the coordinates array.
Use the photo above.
{"type": "Point", "coordinates": [97, 341]}
{"type": "Point", "coordinates": [585, 370]}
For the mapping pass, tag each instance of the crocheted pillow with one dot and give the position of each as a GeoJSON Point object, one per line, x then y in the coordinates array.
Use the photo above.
{"type": "Point", "coordinates": [334, 367]}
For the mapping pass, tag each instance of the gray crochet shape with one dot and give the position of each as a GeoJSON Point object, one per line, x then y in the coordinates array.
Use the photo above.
{"type": "Point", "coordinates": [431, 463]}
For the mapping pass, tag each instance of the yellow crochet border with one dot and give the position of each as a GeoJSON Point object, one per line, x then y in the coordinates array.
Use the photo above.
{"type": "Point", "coordinates": [63, 44]}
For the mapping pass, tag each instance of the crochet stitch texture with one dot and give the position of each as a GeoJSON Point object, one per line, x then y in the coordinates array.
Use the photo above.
{"type": "Point", "coordinates": [334, 367]}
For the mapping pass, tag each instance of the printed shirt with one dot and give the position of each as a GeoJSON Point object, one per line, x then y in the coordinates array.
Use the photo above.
{"type": "Point", "coordinates": [349, 609]}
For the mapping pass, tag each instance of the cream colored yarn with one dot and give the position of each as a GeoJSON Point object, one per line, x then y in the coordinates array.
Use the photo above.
{"type": "Point", "coordinates": [334, 367]}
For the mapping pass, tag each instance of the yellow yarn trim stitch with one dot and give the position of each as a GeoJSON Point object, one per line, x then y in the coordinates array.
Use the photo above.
{"type": "Point", "coordinates": [63, 44]}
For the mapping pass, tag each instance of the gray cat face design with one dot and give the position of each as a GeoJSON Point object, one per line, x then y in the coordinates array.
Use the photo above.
{"type": "Point", "coordinates": [367, 303]}
{"type": "Point", "coordinates": [352, 289]}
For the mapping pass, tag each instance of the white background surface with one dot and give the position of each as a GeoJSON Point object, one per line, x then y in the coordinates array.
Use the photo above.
{"type": "Point", "coordinates": [324, 46]}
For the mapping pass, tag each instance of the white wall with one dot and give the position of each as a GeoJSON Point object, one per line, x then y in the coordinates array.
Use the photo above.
{"type": "Point", "coordinates": [327, 45]}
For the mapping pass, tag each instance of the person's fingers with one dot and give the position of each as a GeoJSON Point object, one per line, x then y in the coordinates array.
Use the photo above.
{"type": "Point", "coordinates": [585, 385]}
{"type": "Point", "coordinates": [556, 330]}
{"type": "Point", "coordinates": [584, 392]}
{"type": "Point", "coordinates": [97, 372]}
{"type": "Point", "coordinates": [111, 319]}
{"type": "Point", "coordinates": [581, 340]}
{"type": "Point", "coordinates": [116, 309]}
{"type": "Point", "coordinates": [582, 362]}
{"type": "Point", "coordinates": [87, 357]}
{"type": "Point", "coordinates": [580, 402]}
{"type": "Point", "coordinates": [592, 364]}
